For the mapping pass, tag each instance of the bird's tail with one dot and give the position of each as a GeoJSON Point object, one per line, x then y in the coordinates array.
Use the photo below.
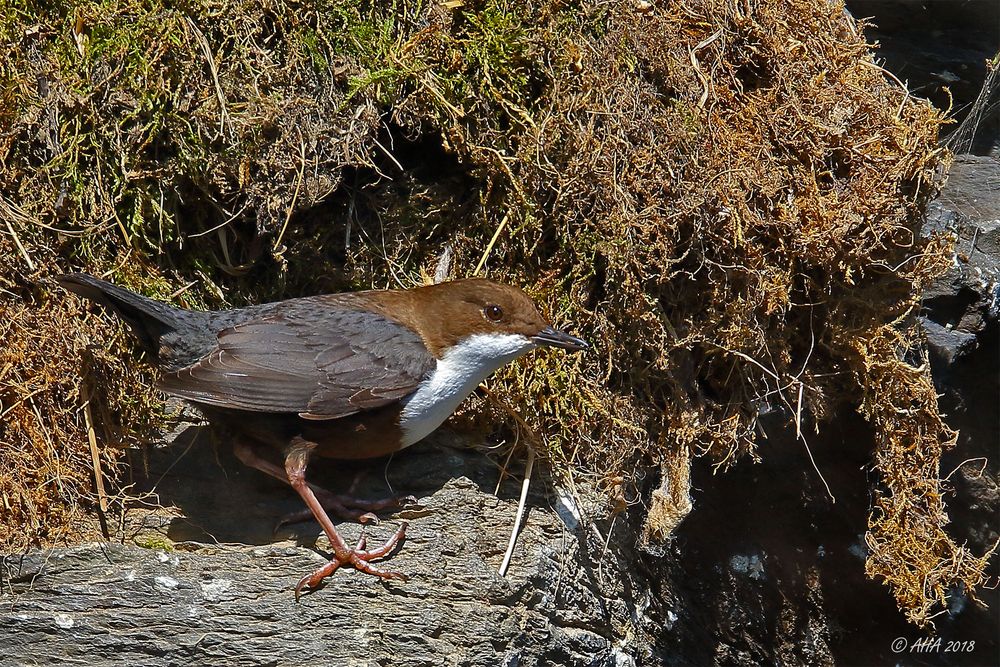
{"type": "Point", "coordinates": [148, 318]}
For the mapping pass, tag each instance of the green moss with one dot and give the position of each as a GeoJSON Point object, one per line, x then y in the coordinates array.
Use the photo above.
{"type": "Point", "coordinates": [496, 47]}
{"type": "Point", "coordinates": [312, 49]}
{"type": "Point", "coordinates": [153, 541]}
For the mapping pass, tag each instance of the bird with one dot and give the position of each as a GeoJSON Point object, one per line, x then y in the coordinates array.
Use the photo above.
{"type": "Point", "coordinates": [352, 375]}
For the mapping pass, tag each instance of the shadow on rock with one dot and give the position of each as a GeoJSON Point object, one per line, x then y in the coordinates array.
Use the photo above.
{"type": "Point", "coordinates": [220, 500]}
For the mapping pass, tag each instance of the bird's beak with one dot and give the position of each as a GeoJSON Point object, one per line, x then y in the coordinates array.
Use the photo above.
{"type": "Point", "coordinates": [555, 338]}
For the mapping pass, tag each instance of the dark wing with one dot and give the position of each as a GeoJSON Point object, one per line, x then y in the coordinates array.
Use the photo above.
{"type": "Point", "coordinates": [322, 363]}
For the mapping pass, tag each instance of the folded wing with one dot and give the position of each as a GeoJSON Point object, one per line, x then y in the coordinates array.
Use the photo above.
{"type": "Point", "coordinates": [321, 363]}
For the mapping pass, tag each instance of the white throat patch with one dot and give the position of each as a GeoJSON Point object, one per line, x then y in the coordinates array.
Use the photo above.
{"type": "Point", "coordinates": [456, 376]}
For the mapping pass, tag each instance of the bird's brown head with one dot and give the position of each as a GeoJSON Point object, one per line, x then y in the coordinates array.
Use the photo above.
{"type": "Point", "coordinates": [493, 314]}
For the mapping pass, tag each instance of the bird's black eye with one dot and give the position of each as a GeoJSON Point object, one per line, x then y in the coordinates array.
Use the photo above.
{"type": "Point", "coordinates": [493, 312]}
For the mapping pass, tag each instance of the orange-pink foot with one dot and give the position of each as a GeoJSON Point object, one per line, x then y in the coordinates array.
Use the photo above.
{"type": "Point", "coordinates": [359, 558]}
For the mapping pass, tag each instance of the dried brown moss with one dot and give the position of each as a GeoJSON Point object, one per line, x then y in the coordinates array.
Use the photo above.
{"type": "Point", "coordinates": [908, 545]}
{"type": "Point", "coordinates": [724, 201]}
{"type": "Point", "coordinates": [47, 473]}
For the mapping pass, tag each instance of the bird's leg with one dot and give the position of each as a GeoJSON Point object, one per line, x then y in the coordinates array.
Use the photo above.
{"type": "Point", "coordinates": [296, 460]}
{"type": "Point", "coordinates": [344, 506]}
{"type": "Point", "coordinates": [348, 506]}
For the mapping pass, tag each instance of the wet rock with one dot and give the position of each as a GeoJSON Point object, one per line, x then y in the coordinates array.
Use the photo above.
{"type": "Point", "coordinates": [962, 305]}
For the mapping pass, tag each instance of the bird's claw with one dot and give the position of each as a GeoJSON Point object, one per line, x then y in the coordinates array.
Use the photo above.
{"type": "Point", "coordinates": [359, 558]}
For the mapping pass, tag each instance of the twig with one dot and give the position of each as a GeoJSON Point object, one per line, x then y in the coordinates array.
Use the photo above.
{"type": "Point", "coordinates": [221, 224]}
{"type": "Point", "coordinates": [531, 437]}
{"type": "Point", "coordinates": [697, 67]}
{"type": "Point", "coordinates": [95, 459]}
{"type": "Point", "coordinates": [798, 433]}
{"type": "Point", "coordinates": [388, 154]}
{"type": "Point", "coordinates": [206, 49]}
{"type": "Point", "coordinates": [295, 195]}
{"type": "Point", "coordinates": [520, 511]}
{"type": "Point", "coordinates": [503, 468]}
{"type": "Point", "coordinates": [489, 247]}
{"type": "Point", "coordinates": [750, 359]}
{"type": "Point", "coordinates": [906, 90]}
{"type": "Point", "coordinates": [798, 407]}
{"type": "Point", "coordinates": [20, 246]}
{"type": "Point", "coordinates": [959, 466]}
{"type": "Point", "coordinates": [183, 289]}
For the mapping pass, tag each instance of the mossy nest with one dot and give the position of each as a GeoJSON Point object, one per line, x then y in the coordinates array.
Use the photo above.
{"type": "Point", "coordinates": [723, 201]}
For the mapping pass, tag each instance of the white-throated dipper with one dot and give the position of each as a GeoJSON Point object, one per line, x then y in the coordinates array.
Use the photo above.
{"type": "Point", "coordinates": [350, 376]}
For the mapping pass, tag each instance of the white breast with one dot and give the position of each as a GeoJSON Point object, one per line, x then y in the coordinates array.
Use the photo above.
{"type": "Point", "coordinates": [456, 376]}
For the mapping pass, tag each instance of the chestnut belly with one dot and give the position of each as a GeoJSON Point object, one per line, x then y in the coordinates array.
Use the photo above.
{"type": "Point", "coordinates": [362, 436]}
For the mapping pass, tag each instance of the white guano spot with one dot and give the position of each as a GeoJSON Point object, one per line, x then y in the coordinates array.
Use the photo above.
{"type": "Point", "coordinates": [212, 590]}
{"type": "Point", "coordinates": [164, 557]}
{"type": "Point", "coordinates": [456, 376]}
{"type": "Point", "coordinates": [64, 621]}
{"type": "Point", "coordinates": [168, 583]}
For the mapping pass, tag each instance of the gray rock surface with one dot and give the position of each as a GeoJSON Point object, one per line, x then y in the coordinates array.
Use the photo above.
{"type": "Point", "coordinates": [219, 588]}
{"type": "Point", "coordinates": [961, 306]}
